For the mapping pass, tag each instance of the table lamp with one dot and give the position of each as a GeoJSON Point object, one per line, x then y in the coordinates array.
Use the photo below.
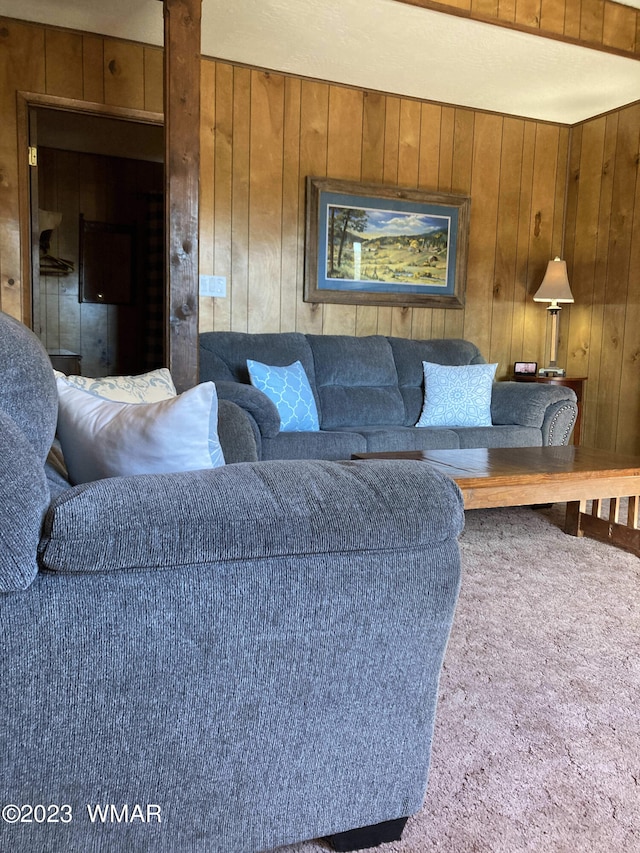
{"type": "Point", "coordinates": [554, 289]}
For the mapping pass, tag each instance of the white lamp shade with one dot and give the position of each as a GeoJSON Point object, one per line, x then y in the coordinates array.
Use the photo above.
{"type": "Point", "coordinates": [555, 284]}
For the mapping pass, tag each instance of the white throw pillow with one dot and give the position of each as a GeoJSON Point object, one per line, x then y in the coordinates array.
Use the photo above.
{"type": "Point", "coordinates": [457, 395]}
{"type": "Point", "coordinates": [102, 438]}
{"type": "Point", "coordinates": [146, 388]}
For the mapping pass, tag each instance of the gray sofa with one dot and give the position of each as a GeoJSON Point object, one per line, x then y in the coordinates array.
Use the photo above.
{"type": "Point", "coordinates": [369, 394]}
{"type": "Point", "coordinates": [221, 661]}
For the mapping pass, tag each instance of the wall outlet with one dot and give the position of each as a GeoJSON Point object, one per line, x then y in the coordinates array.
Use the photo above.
{"type": "Point", "coordinates": [213, 285]}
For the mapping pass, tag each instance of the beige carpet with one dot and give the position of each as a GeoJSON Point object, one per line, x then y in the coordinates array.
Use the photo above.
{"type": "Point", "coordinates": [537, 743]}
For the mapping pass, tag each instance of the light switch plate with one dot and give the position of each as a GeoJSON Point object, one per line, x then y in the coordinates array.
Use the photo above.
{"type": "Point", "coordinates": [213, 285]}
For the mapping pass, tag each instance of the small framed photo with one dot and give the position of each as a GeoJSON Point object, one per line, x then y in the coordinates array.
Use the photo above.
{"type": "Point", "coordinates": [525, 368]}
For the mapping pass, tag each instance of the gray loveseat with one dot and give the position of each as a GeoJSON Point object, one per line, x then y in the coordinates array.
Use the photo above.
{"type": "Point", "coordinates": [220, 661]}
{"type": "Point", "coordinates": [369, 393]}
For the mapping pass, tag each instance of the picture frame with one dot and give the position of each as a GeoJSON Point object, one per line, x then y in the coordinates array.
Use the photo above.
{"type": "Point", "coordinates": [369, 244]}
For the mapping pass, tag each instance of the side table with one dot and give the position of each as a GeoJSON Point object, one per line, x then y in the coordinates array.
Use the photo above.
{"type": "Point", "coordinates": [65, 361]}
{"type": "Point", "coordinates": [576, 383]}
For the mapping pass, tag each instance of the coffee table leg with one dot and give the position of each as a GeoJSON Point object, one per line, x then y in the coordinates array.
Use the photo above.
{"type": "Point", "coordinates": [572, 518]}
{"type": "Point", "coordinates": [610, 529]}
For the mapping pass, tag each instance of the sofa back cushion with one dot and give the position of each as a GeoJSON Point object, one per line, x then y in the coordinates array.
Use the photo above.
{"type": "Point", "coordinates": [356, 381]}
{"type": "Point", "coordinates": [27, 385]}
{"type": "Point", "coordinates": [28, 410]}
{"type": "Point", "coordinates": [409, 355]}
{"type": "Point", "coordinates": [24, 498]}
{"type": "Point", "coordinates": [223, 355]}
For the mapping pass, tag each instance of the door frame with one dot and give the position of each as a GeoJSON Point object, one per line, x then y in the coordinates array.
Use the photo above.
{"type": "Point", "coordinates": [26, 101]}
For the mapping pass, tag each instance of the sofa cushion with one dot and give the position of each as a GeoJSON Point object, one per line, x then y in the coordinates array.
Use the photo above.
{"type": "Point", "coordinates": [356, 381]}
{"type": "Point", "coordinates": [101, 438]}
{"type": "Point", "coordinates": [24, 498]}
{"type": "Point", "coordinates": [383, 438]}
{"type": "Point", "coordinates": [144, 388]}
{"type": "Point", "coordinates": [288, 388]}
{"type": "Point", "coordinates": [326, 444]}
{"type": "Point", "coordinates": [409, 355]}
{"type": "Point", "coordinates": [498, 436]}
{"type": "Point", "coordinates": [457, 395]}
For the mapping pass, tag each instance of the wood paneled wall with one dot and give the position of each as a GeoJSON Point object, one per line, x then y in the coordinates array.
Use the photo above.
{"type": "Point", "coordinates": [69, 65]}
{"type": "Point", "coordinates": [603, 255]}
{"type": "Point", "coordinates": [263, 133]}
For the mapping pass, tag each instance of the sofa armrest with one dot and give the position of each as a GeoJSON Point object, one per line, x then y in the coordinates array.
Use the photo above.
{"type": "Point", "coordinates": [551, 408]}
{"type": "Point", "coordinates": [248, 511]}
{"type": "Point", "coordinates": [235, 431]}
{"type": "Point", "coordinates": [262, 410]}
{"type": "Point", "coordinates": [559, 421]}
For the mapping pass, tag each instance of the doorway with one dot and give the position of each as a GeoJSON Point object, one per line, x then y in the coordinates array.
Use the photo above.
{"type": "Point", "coordinates": [97, 213]}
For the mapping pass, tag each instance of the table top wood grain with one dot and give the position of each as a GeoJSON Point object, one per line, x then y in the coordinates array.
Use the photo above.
{"type": "Point", "coordinates": [515, 476]}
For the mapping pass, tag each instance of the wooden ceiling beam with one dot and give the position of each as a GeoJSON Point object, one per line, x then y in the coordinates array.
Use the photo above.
{"type": "Point", "coordinates": [182, 38]}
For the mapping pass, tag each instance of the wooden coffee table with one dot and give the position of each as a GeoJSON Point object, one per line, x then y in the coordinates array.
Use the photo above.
{"type": "Point", "coordinates": [519, 476]}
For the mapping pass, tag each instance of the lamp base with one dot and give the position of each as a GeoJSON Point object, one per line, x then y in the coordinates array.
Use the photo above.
{"type": "Point", "coordinates": [552, 371]}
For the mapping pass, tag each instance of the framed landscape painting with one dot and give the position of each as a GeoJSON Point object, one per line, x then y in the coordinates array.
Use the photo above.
{"type": "Point", "coordinates": [368, 244]}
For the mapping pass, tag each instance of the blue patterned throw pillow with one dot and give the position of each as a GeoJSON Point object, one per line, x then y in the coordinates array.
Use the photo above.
{"type": "Point", "coordinates": [457, 396]}
{"type": "Point", "coordinates": [288, 387]}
